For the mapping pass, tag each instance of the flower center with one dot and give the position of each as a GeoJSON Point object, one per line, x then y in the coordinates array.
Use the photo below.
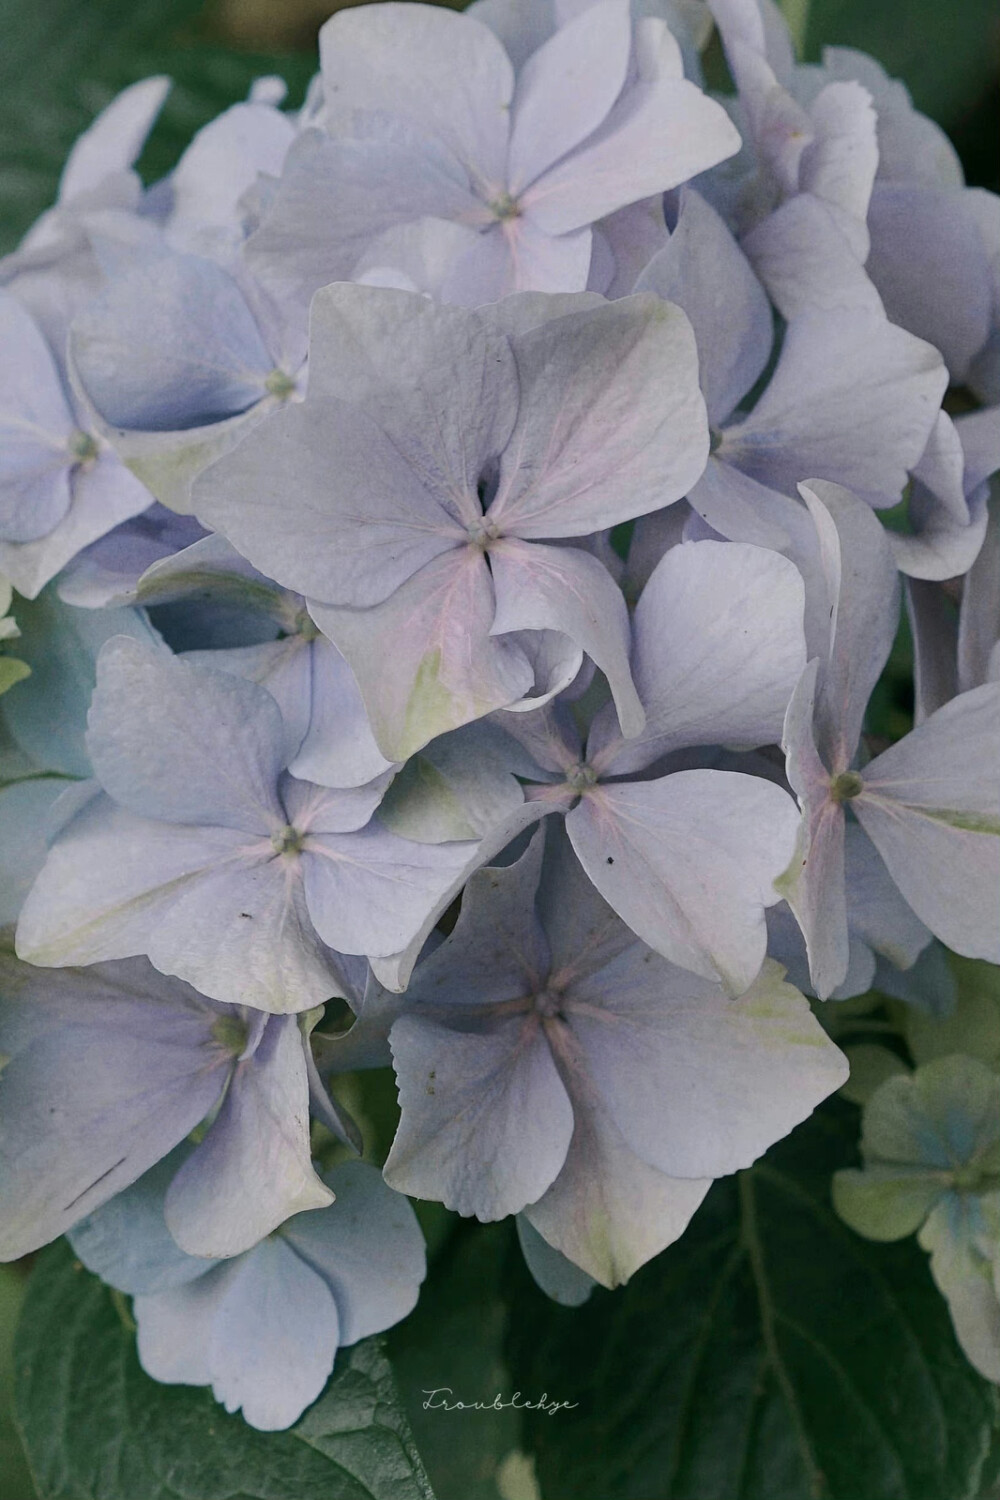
{"type": "Point", "coordinates": [279, 384]}
{"type": "Point", "coordinates": [548, 1003]}
{"type": "Point", "coordinates": [287, 840]}
{"type": "Point", "coordinates": [845, 786]}
{"type": "Point", "coordinates": [231, 1033]}
{"type": "Point", "coordinates": [504, 207]}
{"type": "Point", "coordinates": [482, 532]}
{"type": "Point", "coordinates": [581, 776]}
{"type": "Point", "coordinates": [83, 446]}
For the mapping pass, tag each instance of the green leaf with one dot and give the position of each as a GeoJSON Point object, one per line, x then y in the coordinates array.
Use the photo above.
{"type": "Point", "coordinates": [96, 1428]}
{"type": "Point", "coordinates": [13, 1469]}
{"type": "Point", "coordinates": [455, 1339]}
{"type": "Point", "coordinates": [770, 1354]}
{"type": "Point", "coordinates": [944, 53]}
{"type": "Point", "coordinates": [62, 62]}
{"type": "Point", "coordinates": [973, 1027]}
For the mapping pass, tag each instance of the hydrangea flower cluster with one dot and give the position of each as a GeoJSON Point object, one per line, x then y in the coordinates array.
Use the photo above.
{"type": "Point", "coordinates": [460, 525]}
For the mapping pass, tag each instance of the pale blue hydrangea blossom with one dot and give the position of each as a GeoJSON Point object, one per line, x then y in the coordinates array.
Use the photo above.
{"type": "Point", "coordinates": [393, 637]}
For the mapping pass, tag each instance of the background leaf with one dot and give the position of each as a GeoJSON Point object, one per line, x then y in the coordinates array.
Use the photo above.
{"type": "Point", "coordinates": [455, 1338]}
{"type": "Point", "coordinates": [946, 53]}
{"type": "Point", "coordinates": [62, 62]}
{"type": "Point", "coordinates": [770, 1354]}
{"type": "Point", "coordinates": [96, 1428]}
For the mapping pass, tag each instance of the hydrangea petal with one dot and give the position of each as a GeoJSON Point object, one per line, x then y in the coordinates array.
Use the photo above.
{"type": "Point", "coordinates": [608, 1211]}
{"type": "Point", "coordinates": [424, 660]}
{"type": "Point", "coordinates": [872, 379]}
{"type": "Point", "coordinates": [287, 498]}
{"type": "Point", "coordinates": [36, 425]}
{"type": "Point", "coordinates": [184, 743]}
{"type": "Point", "coordinates": [486, 1122]}
{"type": "Point", "coordinates": [688, 861]}
{"type": "Point", "coordinates": [863, 593]}
{"type": "Point", "coordinates": [700, 1084]}
{"type": "Point", "coordinates": [931, 806]}
{"type": "Point", "coordinates": [446, 72]}
{"type": "Point", "coordinates": [611, 421]}
{"type": "Point", "coordinates": [558, 1277]}
{"type": "Point", "coordinates": [440, 382]}
{"type": "Point", "coordinates": [74, 1136]}
{"type": "Point", "coordinates": [253, 1169]}
{"type": "Point", "coordinates": [368, 1248]}
{"type": "Point", "coordinates": [662, 132]}
{"type": "Point", "coordinates": [170, 345]}
{"type": "Point", "coordinates": [127, 1243]}
{"type": "Point", "coordinates": [566, 89]}
{"type": "Point", "coordinates": [718, 648]}
{"type": "Point", "coordinates": [703, 270]}
{"type": "Point", "coordinates": [338, 748]}
{"type": "Point", "coordinates": [370, 892]}
{"type": "Point", "coordinates": [568, 590]}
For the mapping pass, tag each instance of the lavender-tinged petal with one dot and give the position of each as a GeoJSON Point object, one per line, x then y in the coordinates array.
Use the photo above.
{"type": "Point", "coordinates": [876, 912]}
{"type": "Point", "coordinates": [936, 283]}
{"type": "Point", "coordinates": [703, 270]}
{"type": "Point", "coordinates": [813, 884]}
{"type": "Point", "coordinates": [557, 1276]}
{"type": "Point", "coordinates": [127, 1243]}
{"type": "Point", "coordinates": [719, 647]}
{"type": "Point", "coordinates": [940, 547]}
{"type": "Point", "coordinates": [394, 970]}
{"type": "Point", "coordinates": [243, 933]}
{"type": "Point", "coordinates": [587, 451]}
{"type": "Point", "coordinates": [36, 425]}
{"type": "Point", "coordinates": [287, 498]}
{"type": "Point", "coordinates": [486, 1122]}
{"type": "Point", "coordinates": [447, 73]}
{"type": "Point", "coordinates": [700, 1084]}
{"type": "Point", "coordinates": [424, 660]}
{"type": "Point", "coordinates": [367, 1247]}
{"type": "Point", "coordinates": [566, 88]}
{"type": "Point", "coordinates": [931, 806]}
{"type": "Point", "coordinates": [114, 140]}
{"type": "Point", "coordinates": [655, 850]}
{"type": "Point", "coordinates": [934, 627]}
{"type": "Point", "coordinates": [458, 787]}
{"type": "Point", "coordinates": [979, 619]}
{"type": "Point", "coordinates": [568, 590]}
{"type": "Point", "coordinates": [253, 1170]}
{"type": "Point", "coordinates": [847, 372]}
{"type": "Point", "coordinates": [336, 197]}
{"type": "Point", "coordinates": [440, 382]}
{"type": "Point", "coordinates": [170, 345]}
{"type": "Point", "coordinates": [497, 950]}
{"type": "Point", "coordinates": [518, 256]}
{"type": "Point", "coordinates": [371, 892]}
{"type": "Point", "coordinates": [806, 262]}
{"type": "Point", "coordinates": [607, 1211]}
{"type": "Point", "coordinates": [102, 497]}
{"type": "Point", "coordinates": [863, 595]}
{"type": "Point", "coordinates": [283, 667]}
{"type": "Point", "coordinates": [740, 508]}
{"type": "Point", "coordinates": [184, 743]}
{"type": "Point", "coordinates": [338, 748]}
{"type": "Point", "coordinates": [663, 131]}
{"type": "Point", "coordinates": [74, 1136]}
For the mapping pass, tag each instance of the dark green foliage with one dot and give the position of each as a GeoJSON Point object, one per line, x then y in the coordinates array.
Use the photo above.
{"type": "Point", "coordinates": [770, 1354]}
{"type": "Point", "coordinates": [96, 1428]}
